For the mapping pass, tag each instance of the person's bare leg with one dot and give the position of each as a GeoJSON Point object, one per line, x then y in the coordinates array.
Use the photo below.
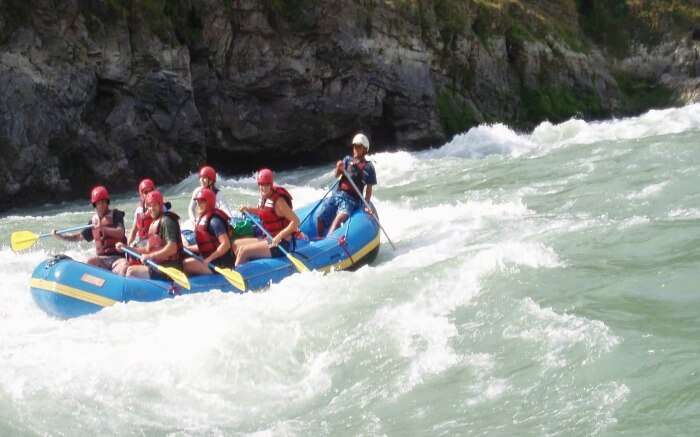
{"type": "Point", "coordinates": [242, 242]}
{"type": "Point", "coordinates": [95, 261]}
{"type": "Point", "coordinates": [138, 272]}
{"type": "Point", "coordinates": [252, 251]}
{"type": "Point", "coordinates": [120, 266]}
{"type": "Point", "coordinates": [339, 219]}
{"type": "Point", "coordinates": [193, 266]}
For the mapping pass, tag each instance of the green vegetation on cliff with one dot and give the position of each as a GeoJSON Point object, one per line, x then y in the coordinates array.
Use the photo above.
{"type": "Point", "coordinates": [616, 24]}
{"type": "Point", "coordinates": [13, 13]}
{"type": "Point", "coordinates": [165, 18]}
{"type": "Point", "coordinates": [455, 115]}
{"type": "Point", "coordinates": [556, 104]}
{"type": "Point", "coordinates": [642, 94]}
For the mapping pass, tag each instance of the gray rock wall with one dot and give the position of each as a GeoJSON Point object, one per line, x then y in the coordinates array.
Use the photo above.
{"type": "Point", "coordinates": [110, 91]}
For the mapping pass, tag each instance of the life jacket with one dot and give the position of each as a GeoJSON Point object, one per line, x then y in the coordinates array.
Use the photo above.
{"type": "Point", "coordinates": [207, 242]}
{"type": "Point", "coordinates": [143, 221]}
{"type": "Point", "coordinates": [105, 245]}
{"type": "Point", "coordinates": [155, 242]}
{"type": "Point", "coordinates": [356, 172]}
{"type": "Point", "coordinates": [266, 211]}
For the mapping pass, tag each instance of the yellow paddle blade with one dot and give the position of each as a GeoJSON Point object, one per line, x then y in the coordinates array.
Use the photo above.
{"type": "Point", "coordinates": [232, 276]}
{"type": "Point", "coordinates": [176, 275]}
{"type": "Point", "coordinates": [298, 264]}
{"type": "Point", "coordinates": [21, 240]}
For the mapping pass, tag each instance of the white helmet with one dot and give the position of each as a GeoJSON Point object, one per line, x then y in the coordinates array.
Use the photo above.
{"type": "Point", "coordinates": [361, 139]}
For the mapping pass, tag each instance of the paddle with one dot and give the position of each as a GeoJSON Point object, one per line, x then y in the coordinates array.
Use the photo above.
{"type": "Point", "coordinates": [367, 206]}
{"type": "Point", "coordinates": [319, 202]}
{"type": "Point", "coordinates": [22, 240]}
{"type": "Point", "coordinates": [171, 272]}
{"type": "Point", "coordinates": [298, 264]}
{"type": "Point", "coordinates": [232, 276]}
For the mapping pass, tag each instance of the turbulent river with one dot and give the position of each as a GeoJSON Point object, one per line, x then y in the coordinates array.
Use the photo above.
{"type": "Point", "coordinates": [543, 284]}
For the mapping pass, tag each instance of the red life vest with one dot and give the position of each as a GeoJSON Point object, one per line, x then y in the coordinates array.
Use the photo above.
{"type": "Point", "coordinates": [155, 242]}
{"type": "Point", "coordinates": [266, 211]}
{"type": "Point", "coordinates": [143, 221]}
{"type": "Point", "coordinates": [206, 241]}
{"type": "Point", "coordinates": [356, 172]}
{"type": "Point", "coordinates": [105, 245]}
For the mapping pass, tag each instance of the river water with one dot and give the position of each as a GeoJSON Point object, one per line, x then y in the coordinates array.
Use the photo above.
{"type": "Point", "coordinates": [543, 284]}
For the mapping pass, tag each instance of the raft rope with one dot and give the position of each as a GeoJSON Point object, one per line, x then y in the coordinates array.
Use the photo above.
{"type": "Point", "coordinates": [342, 243]}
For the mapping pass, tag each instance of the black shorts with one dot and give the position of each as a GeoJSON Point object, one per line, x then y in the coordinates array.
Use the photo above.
{"type": "Point", "coordinates": [156, 274]}
{"type": "Point", "coordinates": [227, 261]}
{"type": "Point", "coordinates": [288, 245]}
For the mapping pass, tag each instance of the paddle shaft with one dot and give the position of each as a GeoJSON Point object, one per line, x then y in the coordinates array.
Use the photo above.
{"type": "Point", "coordinates": [319, 202]}
{"type": "Point", "coordinates": [198, 257]}
{"type": "Point", "coordinates": [269, 236]}
{"type": "Point", "coordinates": [139, 256]}
{"type": "Point", "coordinates": [359, 193]}
{"type": "Point", "coordinates": [65, 231]}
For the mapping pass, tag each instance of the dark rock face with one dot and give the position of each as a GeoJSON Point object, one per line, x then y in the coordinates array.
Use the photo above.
{"type": "Point", "coordinates": [111, 91]}
{"type": "Point", "coordinates": [270, 99]}
{"type": "Point", "coordinates": [82, 106]}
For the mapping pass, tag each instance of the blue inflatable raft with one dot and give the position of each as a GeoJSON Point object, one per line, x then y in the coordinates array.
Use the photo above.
{"type": "Point", "coordinates": [67, 288]}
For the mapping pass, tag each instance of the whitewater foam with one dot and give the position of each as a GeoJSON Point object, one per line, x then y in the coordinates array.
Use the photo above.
{"type": "Point", "coordinates": [499, 139]}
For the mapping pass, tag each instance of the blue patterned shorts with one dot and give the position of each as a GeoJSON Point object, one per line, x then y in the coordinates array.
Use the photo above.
{"type": "Point", "coordinates": [339, 202]}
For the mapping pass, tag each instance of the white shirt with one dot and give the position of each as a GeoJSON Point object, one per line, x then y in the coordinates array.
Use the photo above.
{"type": "Point", "coordinates": [192, 210]}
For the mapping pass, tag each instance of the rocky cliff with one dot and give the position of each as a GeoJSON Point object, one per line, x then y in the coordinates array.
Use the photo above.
{"type": "Point", "coordinates": [109, 91]}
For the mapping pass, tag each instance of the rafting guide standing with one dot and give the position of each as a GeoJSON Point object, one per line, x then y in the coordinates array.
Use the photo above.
{"type": "Point", "coordinates": [345, 199]}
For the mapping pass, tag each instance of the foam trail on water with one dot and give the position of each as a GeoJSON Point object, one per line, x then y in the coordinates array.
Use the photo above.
{"type": "Point", "coordinates": [499, 139]}
{"type": "Point", "coordinates": [485, 140]}
{"type": "Point", "coordinates": [652, 123]}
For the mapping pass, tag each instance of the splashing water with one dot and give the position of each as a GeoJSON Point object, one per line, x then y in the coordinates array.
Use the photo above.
{"type": "Point", "coordinates": [543, 284]}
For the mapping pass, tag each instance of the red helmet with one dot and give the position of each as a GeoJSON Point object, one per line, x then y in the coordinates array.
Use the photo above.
{"type": "Point", "coordinates": [98, 193]}
{"type": "Point", "coordinates": [265, 177]}
{"type": "Point", "coordinates": [207, 195]}
{"type": "Point", "coordinates": [208, 172]}
{"type": "Point", "coordinates": [146, 185]}
{"type": "Point", "coordinates": [154, 197]}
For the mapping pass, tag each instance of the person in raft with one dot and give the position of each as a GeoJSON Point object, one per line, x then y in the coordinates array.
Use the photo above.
{"type": "Point", "coordinates": [107, 230]}
{"type": "Point", "coordinates": [345, 200]}
{"type": "Point", "coordinates": [164, 245]}
{"type": "Point", "coordinates": [207, 179]}
{"type": "Point", "coordinates": [142, 219]}
{"type": "Point", "coordinates": [212, 231]}
{"type": "Point", "coordinates": [276, 216]}
{"type": "Point", "coordinates": [138, 236]}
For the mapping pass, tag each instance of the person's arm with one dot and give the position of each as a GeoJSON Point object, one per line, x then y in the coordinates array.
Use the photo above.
{"type": "Point", "coordinates": [132, 235]}
{"type": "Point", "coordinates": [282, 209]}
{"type": "Point", "coordinates": [368, 193]}
{"type": "Point", "coordinates": [166, 252]}
{"type": "Point", "coordinates": [338, 168]}
{"type": "Point", "coordinates": [218, 228]}
{"type": "Point", "coordinates": [117, 230]}
{"type": "Point", "coordinates": [186, 244]}
{"type": "Point", "coordinates": [85, 234]}
{"type": "Point", "coordinates": [370, 181]}
{"type": "Point", "coordinates": [224, 246]}
{"type": "Point", "coordinates": [342, 165]}
{"type": "Point", "coordinates": [192, 209]}
{"type": "Point", "coordinates": [120, 245]}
